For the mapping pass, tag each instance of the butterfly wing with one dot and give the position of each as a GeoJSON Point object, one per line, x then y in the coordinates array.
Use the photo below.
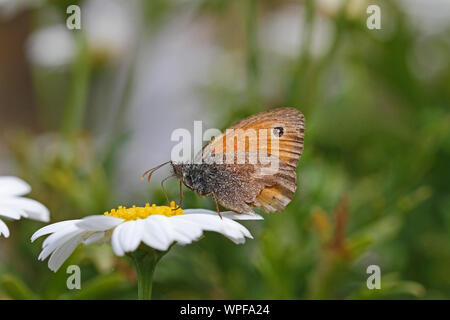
{"type": "Point", "coordinates": [283, 141]}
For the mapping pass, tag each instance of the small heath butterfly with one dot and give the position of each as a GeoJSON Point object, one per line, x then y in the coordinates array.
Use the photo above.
{"type": "Point", "coordinates": [251, 164]}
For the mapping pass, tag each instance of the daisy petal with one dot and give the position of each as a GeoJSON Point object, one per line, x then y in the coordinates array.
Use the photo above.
{"type": "Point", "coordinates": [12, 212]}
{"type": "Point", "coordinates": [229, 228]}
{"type": "Point", "coordinates": [200, 211]}
{"type": "Point", "coordinates": [35, 209]}
{"type": "Point", "coordinates": [115, 241]}
{"type": "Point", "coordinates": [185, 231]}
{"type": "Point", "coordinates": [131, 234]}
{"type": "Point", "coordinates": [4, 229]}
{"type": "Point", "coordinates": [226, 214]}
{"type": "Point", "coordinates": [12, 186]}
{"type": "Point", "coordinates": [95, 237]}
{"type": "Point", "coordinates": [241, 216]}
{"type": "Point", "coordinates": [57, 239]}
{"type": "Point", "coordinates": [52, 228]}
{"type": "Point", "coordinates": [63, 252]}
{"type": "Point", "coordinates": [155, 234]}
{"type": "Point", "coordinates": [207, 222]}
{"type": "Point", "coordinates": [98, 223]}
{"type": "Point", "coordinates": [239, 227]}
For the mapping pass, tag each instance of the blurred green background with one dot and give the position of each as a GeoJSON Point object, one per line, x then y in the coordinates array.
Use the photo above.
{"type": "Point", "coordinates": [85, 112]}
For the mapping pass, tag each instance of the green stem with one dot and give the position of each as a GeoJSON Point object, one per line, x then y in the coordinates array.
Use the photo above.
{"type": "Point", "coordinates": [78, 91]}
{"type": "Point", "coordinates": [251, 11]}
{"type": "Point", "coordinates": [145, 262]}
{"type": "Point", "coordinates": [296, 88]}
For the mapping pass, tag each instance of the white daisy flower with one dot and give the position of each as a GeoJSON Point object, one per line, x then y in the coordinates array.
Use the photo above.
{"type": "Point", "coordinates": [156, 226]}
{"type": "Point", "coordinates": [13, 206]}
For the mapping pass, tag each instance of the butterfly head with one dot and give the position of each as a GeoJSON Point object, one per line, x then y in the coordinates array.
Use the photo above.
{"type": "Point", "coordinates": [177, 169]}
{"type": "Point", "coordinates": [183, 171]}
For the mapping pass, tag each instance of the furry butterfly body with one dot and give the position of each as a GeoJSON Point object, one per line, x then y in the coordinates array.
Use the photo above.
{"type": "Point", "coordinates": [241, 184]}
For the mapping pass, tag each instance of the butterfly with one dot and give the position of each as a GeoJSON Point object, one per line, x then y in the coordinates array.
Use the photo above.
{"type": "Point", "coordinates": [252, 164]}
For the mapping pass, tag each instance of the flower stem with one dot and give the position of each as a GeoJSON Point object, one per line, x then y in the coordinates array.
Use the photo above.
{"type": "Point", "coordinates": [78, 91]}
{"type": "Point", "coordinates": [145, 262]}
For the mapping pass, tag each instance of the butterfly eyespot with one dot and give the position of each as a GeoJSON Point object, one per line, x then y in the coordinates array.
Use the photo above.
{"type": "Point", "coordinates": [278, 131]}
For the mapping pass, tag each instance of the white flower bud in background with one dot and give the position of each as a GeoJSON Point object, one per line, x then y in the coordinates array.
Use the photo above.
{"type": "Point", "coordinates": [110, 28]}
{"type": "Point", "coordinates": [51, 46]}
{"type": "Point", "coordinates": [9, 8]}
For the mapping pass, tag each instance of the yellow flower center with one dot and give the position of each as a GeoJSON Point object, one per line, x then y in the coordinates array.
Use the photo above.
{"type": "Point", "coordinates": [135, 213]}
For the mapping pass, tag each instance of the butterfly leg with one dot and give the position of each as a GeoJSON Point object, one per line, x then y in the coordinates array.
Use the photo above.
{"type": "Point", "coordinates": [181, 196]}
{"type": "Point", "coordinates": [217, 205]}
{"type": "Point", "coordinates": [164, 190]}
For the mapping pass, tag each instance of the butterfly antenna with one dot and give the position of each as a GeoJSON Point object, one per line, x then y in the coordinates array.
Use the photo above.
{"type": "Point", "coordinates": [149, 173]}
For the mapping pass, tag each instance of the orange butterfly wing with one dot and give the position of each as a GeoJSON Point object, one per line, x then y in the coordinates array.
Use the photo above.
{"type": "Point", "coordinates": [284, 139]}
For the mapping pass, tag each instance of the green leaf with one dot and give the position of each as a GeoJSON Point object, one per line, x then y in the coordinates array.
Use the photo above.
{"type": "Point", "coordinates": [98, 288]}
{"type": "Point", "coordinates": [16, 289]}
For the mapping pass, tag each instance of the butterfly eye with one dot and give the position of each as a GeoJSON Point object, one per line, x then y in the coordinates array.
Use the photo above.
{"type": "Point", "coordinates": [278, 131]}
